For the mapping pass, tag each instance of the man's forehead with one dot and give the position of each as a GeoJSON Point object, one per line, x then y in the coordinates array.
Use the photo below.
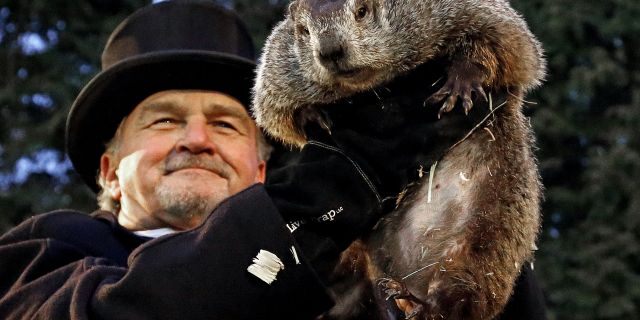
{"type": "Point", "coordinates": [185, 101]}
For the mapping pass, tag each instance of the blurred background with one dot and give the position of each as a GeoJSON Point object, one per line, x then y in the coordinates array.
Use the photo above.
{"type": "Point", "coordinates": [586, 118]}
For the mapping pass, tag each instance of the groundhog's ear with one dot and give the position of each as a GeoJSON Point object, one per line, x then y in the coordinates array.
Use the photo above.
{"type": "Point", "coordinates": [291, 9]}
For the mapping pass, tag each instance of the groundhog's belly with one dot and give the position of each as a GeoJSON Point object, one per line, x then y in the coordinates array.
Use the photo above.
{"type": "Point", "coordinates": [430, 231]}
{"type": "Point", "coordinates": [432, 228]}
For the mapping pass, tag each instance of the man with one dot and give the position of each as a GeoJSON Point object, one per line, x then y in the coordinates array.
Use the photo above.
{"type": "Point", "coordinates": [188, 230]}
{"type": "Point", "coordinates": [170, 103]}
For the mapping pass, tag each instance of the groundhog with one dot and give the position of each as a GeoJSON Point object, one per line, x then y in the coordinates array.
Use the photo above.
{"type": "Point", "coordinates": [327, 50]}
{"type": "Point", "coordinates": [459, 237]}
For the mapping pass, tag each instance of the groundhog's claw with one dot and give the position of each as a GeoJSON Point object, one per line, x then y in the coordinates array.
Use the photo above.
{"type": "Point", "coordinates": [454, 89]}
{"type": "Point", "coordinates": [448, 105]}
{"type": "Point", "coordinates": [464, 79]}
{"type": "Point", "coordinates": [480, 91]}
{"type": "Point", "coordinates": [405, 300]}
{"type": "Point", "coordinates": [304, 116]}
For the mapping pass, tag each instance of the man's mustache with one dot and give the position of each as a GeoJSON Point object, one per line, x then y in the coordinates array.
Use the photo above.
{"type": "Point", "coordinates": [186, 160]}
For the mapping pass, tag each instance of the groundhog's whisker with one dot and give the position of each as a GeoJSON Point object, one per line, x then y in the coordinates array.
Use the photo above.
{"type": "Point", "coordinates": [493, 138]}
{"type": "Point", "coordinates": [412, 273]}
{"type": "Point", "coordinates": [376, 93]}
{"type": "Point", "coordinates": [522, 100]}
{"type": "Point", "coordinates": [479, 123]}
{"type": "Point", "coordinates": [432, 171]}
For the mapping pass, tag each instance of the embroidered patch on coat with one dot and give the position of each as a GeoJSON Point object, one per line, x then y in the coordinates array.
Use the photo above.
{"type": "Point", "coordinates": [266, 266]}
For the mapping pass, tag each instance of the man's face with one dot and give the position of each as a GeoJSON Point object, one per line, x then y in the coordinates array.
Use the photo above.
{"type": "Point", "coordinates": [179, 154]}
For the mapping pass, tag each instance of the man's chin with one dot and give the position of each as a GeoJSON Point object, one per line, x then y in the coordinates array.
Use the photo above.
{"type": "Point", "coordinates": [191, 202]}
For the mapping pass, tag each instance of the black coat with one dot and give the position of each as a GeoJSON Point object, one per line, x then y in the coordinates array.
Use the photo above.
{"type": "Point", "coordinates": [69, 265]}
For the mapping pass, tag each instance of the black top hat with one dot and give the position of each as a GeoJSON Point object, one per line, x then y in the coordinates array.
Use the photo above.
{"type": "Point", "coordinates": [184, 44]}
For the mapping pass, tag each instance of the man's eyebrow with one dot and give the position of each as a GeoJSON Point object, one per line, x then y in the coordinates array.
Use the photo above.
{"type": "Point", "coordinates": [155, 107]}
{"type": "Point", "coordinates": [173, 107]}
{"type": "Point", "coordinates": [225, 109]}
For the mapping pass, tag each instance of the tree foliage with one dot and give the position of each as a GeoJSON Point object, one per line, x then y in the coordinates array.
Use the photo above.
{"type": "Point", "coordinates": [586, 119]}
{"type": "Point", "coordinates": [48, 51]}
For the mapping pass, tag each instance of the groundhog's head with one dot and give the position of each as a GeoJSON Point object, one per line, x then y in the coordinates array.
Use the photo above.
{"type": "Point", "coordinates": [348, 45]}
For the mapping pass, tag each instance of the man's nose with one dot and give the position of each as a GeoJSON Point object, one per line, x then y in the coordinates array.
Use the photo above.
{"type": "Point", "coordinates": [196, 138]}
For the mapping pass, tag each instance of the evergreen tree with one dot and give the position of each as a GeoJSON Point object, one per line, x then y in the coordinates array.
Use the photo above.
{"type": "Point", "coordinates": [587, 121]}
{"type": "Point", "coordinates": [48, 51]}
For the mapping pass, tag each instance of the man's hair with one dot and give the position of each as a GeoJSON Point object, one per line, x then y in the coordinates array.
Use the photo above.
{"type": "Point", "coordinates": [106, 201]}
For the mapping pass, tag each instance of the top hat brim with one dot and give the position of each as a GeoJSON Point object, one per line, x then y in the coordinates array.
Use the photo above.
{"type": "Point", "coordinates": [114, 93]}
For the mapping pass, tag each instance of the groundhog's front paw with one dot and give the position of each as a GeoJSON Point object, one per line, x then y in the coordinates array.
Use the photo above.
{"type": "Point", "coordinates": [412, 307]}
{"type": "Point", "coordinates": [463, 81]}
{"type": "Point", "coordinates": [308, 115]}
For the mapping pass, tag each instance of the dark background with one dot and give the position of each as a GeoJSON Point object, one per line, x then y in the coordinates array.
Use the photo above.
{"type": "Point", "coordinates": [586, 118]}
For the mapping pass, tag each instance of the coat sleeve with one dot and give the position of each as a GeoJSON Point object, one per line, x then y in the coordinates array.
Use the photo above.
{"type": "Point", "coordinates": [527, 301]}
{"type": "Point", "coordinates": [196, 274]}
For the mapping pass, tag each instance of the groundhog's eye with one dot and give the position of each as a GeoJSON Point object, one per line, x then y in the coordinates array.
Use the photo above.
{"type": "Point", "coordinates": [303, 30]}
{"type": "Point", "coordinates": [361, 13]}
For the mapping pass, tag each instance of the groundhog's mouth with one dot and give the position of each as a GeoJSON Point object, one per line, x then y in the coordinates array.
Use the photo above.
{"type": "Point", "coordinates": [355, 74]}
{"type": "Point", "coordinates": [347, 73]}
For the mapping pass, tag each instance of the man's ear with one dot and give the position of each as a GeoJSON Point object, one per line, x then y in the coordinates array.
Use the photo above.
{"type": "Point", "coordinates": [261, 175]}
{"type": "Point", "coordinates": [109, 174]}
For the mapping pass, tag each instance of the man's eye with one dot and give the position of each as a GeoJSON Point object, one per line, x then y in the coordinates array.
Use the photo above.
{"type": "Point", "coordinates": [164, 122]}
{"type": "Point", "coordinates": [224, 124]}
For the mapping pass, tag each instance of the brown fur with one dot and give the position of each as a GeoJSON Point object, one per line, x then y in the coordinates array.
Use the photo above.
{"type": "Point", "coordinates": [395, 37]}
{"type": "Point", "coordinates": [481, 225]}
{"type": "Point", "coordinates": [477, 231]}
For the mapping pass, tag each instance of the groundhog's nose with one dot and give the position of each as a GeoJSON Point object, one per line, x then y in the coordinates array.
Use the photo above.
{"type": "Point", "coordinates": [332, 54]}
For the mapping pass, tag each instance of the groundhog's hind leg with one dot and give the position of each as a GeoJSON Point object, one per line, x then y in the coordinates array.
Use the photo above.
{"type": "Point", "coordinates": [412, 307]}
{"type": "Point", "coordinates": [463, 79]}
